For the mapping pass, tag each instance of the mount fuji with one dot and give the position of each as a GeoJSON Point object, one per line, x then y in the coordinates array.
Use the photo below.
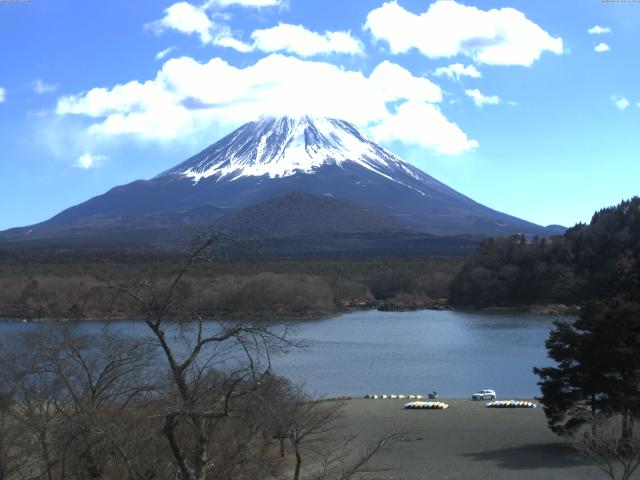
{"type": "Point", "coordinates": [278, 178]}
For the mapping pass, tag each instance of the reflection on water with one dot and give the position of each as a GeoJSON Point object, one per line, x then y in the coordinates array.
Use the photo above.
{"type": "Point", "coordinates": [454, 353]}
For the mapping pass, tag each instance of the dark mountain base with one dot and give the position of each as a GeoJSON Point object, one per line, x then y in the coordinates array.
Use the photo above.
{"type": "Point", "coordinates": [355, 246]}
{"type": "Point", "coordinates": [294, 225]}
{"type": "Point", "coordinates": [366, 245]}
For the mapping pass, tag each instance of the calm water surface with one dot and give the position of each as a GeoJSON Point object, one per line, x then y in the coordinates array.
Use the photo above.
{"type": "Point", "coordinates": [454, 353]}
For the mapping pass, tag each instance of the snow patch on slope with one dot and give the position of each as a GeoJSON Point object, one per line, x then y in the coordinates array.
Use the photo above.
{"type": "Point", "coordinates": [287, 146]}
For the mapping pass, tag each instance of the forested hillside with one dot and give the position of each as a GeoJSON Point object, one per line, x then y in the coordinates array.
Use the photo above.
{"type": "Point", "coordinates": [601, 259]}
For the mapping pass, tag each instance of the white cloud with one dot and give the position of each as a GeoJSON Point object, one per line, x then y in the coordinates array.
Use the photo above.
{"type": "Point", "coordinates": [88, 161]}
{"type": "Point", "coordinates": [394, 82]}
{"type": "Point", "coordinates": [297, 39]}
{"type": "Point", "coordinates": [185, 18]}
{"type": "Point", "coordinates": [244, 3]}
{"type": "Point", "coordinates": [601, 47]}
{"type": "Point", "coordinates": [423, 124]}
{"type": "Point", "coordinates": [480, 99]}
{"type": "Point", "coordinates": [598, 30]}
{"type": "Point", "coordinates": [41, 87]}
{"type": "Point", "coordinates": [231, 42]}
{"type": "Point", "coordinates": [187, 97]}
{"type": "Point", "coordinates": [3, 95]}
{"type": "Point", "coordinates": [458, 70]}
{"type": "Point", "coordinates": [496, 37]}
{"type": "Point", "coordinates": [621, 102]}
{"type": "Point", "coordinates": [189, 19]}
{"type": "Point", "coordinates": [164, 53]}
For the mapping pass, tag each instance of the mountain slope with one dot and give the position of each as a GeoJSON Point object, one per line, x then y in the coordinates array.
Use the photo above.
{"type": "Point", "coordinates": [297, 213]}
{"type": "Point", "coordinates": [301, 225]}
{"type": "Point", "coordinates": [271, 158]}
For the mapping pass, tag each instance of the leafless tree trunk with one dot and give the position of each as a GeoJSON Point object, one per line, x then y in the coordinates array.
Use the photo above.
{"type": "Point", "coordinates": [611, 447]}
{"type": "Point", "coordinates": [11, 436]}
{"type": "Point", "coordinates": [70, 392]}
{"type": "Point", "coordinates": [201, 399]}
{"type": "Point", "coordinates": [341, 462]}
{"type": "Point", "coordinates": [313, 429]}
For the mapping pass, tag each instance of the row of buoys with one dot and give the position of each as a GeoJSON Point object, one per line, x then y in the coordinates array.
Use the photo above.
{"type": "Point", "coordinates": [511, 404]}
{"type": "Point", "coordinates": [426, 405]}
{"type": "Point", "coordinates": [393, 397]}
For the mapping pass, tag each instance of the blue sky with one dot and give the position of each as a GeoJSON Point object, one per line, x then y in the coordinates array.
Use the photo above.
{"type": "Point", "coordinates": [531, 108]}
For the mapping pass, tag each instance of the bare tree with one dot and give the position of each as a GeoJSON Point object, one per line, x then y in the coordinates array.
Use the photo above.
{"type": "Point", "coordinates": [609, 445]}
{"type": "Point", "coordinates": [314, 431]}
{"type": "Point", "coordinates": [11, 436]}
{"type": "Point", "coordinates": [310, 423]}
{"type": "Point", "coordinates": [34, 396]}
{"type": "Point", "coordinates": [209, 369]}
{"type": "Point", "coordinates": [104, 379]}
{"type": "Point", "coordinates": [73, 395]}
{"type": "Point", "coordinates": [341, 461]}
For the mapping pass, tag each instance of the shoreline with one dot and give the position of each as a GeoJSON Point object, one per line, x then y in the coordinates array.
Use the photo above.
{"type": "Point", "coordinates": [541, 310]}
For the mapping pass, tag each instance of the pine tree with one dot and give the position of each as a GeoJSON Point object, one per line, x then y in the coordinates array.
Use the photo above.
{"type": "Point", "coordinates": [598, 367]}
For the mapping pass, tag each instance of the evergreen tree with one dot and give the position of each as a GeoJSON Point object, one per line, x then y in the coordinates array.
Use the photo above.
{"type": "Point", "coordinates": [598, 367]}
{"type": "Point", "coordinates": [596, 261]}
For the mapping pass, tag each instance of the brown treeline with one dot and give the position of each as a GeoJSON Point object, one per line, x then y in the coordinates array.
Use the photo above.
{"type": "Point", "coordinates": [62, 285]}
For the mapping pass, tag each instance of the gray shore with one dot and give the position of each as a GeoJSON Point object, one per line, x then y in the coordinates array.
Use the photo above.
{"type": "Point", "coordinates": [466, 441]}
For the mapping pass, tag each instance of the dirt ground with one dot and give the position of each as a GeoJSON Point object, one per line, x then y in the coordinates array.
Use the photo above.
{"type": "Point", "coordinates": [466, 441]}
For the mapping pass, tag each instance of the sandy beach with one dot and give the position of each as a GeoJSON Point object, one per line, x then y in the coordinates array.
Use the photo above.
{"type": "Point", "coordinates": [466, 441]}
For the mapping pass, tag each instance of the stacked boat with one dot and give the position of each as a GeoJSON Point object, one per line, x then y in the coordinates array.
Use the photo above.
{"type": "Point", "coordinates": [393, 397]}
{"type": "Point", "coordinates": [426, 406]}
{"type": "Point", "coordinates": [511, 404]}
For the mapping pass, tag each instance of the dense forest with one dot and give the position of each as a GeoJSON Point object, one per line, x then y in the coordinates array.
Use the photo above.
{"type": "Point", "coordinates": [598, 260]}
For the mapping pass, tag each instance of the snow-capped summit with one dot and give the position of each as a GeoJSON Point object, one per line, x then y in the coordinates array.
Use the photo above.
{"type": "Point", "coordinates": [285, 146]}
{"type": "Point", "coordinates": [284, 176]}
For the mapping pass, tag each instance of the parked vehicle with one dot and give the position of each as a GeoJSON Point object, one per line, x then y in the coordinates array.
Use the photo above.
{"type": "Point", "coordinates": [484, 395]}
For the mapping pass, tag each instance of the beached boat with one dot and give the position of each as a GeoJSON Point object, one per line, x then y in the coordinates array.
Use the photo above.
{"type": "Point", "coordinates": [426, 406]}
{"type": "Point", "coordinates": [372, 396]}
{"type": "Point", "coordinates": [511, 404]}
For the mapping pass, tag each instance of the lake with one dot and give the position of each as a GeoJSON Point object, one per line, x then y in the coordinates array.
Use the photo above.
{"type": "Point", "coordinates": [454, 353]}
